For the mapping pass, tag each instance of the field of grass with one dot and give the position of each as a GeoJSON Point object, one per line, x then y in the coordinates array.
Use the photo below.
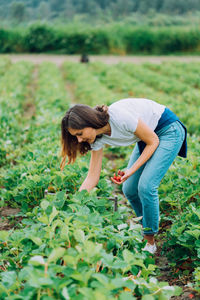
{"type": "Point", "coordinates": [65, 244]}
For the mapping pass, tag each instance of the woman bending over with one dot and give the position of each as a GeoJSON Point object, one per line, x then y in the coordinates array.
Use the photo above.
{"type": "Point", "coordinates": [159, 136]}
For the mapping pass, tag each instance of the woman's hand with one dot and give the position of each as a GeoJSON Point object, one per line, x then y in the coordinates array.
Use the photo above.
{"type": "Point", "coordinates": [122, 175]}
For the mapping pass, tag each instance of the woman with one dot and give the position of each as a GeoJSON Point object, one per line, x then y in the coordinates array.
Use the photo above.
{"type": "Point", "coordinates": [159, 135]}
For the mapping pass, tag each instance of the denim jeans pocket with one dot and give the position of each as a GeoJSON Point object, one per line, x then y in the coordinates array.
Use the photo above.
{"type": "Point", "coordinates": [178, 130]}
{"type": "Point", "coordinates": [172, 136]}
{"type": "Point", "coordinates": [173, 130]}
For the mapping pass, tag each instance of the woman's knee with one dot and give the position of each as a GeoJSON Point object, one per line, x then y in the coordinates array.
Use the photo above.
{"type": "Point", "coordinates": [146, 190]}
{"type": "Point", "coordinates": [125, 189]}
{"type": "Point", "coordinates": [129, 191]}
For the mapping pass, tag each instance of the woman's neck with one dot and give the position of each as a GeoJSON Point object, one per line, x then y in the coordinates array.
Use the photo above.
{"type": "Point", "coordinates": [104, 130]}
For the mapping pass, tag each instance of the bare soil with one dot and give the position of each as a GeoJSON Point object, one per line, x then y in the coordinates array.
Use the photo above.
{"type": "Point", "coordinates": [7, 217]}
{"type": "Point", "coordinates": [108, 59]}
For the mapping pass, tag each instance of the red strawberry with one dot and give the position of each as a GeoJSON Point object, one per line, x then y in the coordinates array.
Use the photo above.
{"type": "Point", "coordinates": [118, 176]}
{"type": "Point", "coordinates": [121, 173]}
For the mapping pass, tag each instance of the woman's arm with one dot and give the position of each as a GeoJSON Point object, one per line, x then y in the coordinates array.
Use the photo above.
{"type": "Point", "coordinates": [147, 135]}
{"type": "Point", "coordinates": [94, 171]}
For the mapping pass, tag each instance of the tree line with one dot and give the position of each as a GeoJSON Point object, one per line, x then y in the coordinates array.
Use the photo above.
{"type": "Point", "coordinates": [108, 39]}
{"type": "Point", "coordinates": [25, 10]}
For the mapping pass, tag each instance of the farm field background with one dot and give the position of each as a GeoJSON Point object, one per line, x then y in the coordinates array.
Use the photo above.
{"type": "Point", "coordinates": [65, 244]}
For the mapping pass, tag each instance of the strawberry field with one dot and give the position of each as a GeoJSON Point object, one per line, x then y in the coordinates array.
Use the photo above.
{"type": "Point", "coordinates": [58, 243]}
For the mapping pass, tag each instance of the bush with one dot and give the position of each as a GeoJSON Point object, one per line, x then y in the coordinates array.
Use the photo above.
{"type": "Point", "coordinates": [40, 38]}
{"type": "Point", "coordinates": [11, 41]}
{"type": "Point", "coordinates": [176, 40]}
{"type": "Point", "coordinates": [70, 43]}
{"type": "Point", "coordinates": [97, 42]}
{"type": "Point", "coordinates": [140, 40]}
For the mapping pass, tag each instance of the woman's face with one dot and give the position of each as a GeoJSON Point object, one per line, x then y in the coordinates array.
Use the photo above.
{"type": "Point", "coordinates": [87, 134]}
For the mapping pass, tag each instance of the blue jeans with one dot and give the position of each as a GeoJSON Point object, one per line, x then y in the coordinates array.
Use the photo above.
{"type": "Point", "coordinates": [141, 189]}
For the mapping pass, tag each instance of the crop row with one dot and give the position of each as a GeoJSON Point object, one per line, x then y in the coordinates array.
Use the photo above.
{"type": "Point", "coordinates": [14, 92]}
{"type": "Point", "coordinates": [86, 88]}
{"type": "Point", "coordinates": [178, 71]}
{"type": "Point", "coordinates": [32, 159]}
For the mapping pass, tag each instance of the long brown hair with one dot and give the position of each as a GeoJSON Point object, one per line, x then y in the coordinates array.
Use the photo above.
{"type": "Point", "coordinates": [80, 116]}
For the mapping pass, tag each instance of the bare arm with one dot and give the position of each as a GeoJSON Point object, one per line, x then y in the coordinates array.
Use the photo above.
{"type": "Point", "coordinates": [147, 135]}
{"type": "Point", "coordinates": [94, 171]}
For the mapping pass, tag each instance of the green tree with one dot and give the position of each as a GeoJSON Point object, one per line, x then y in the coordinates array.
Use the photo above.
{"type": "Point", "coordinates": [18, 11]}
{"type": "Point", "coordinates": [122, 7]}
{"type": "Point", "coordinates": [180, 6]}
{"type": "Point", "coordinates": [69, 10]}
{"type": "Point", "coordinates": [43, 10]}
{"type": "Point", "coordinates": [57, 7]}
{"type": "Point", "coordinates": [144, 6]}
{"type": "Point", "coordinates": [86, 6]}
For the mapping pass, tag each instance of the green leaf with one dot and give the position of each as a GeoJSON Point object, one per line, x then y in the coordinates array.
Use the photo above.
{"type": "Point", "coordinates": [44, 204]}
{"type": "Point", "coordinates": [101, 278]}
{"type": "Point", "coordinates": [107, 259]}
{"type": "Point", "coordinates": [53, 214]}
{"type": "Point", "coordinates": [147, 297]}
{"type": "Point", "coordinates": [127, 296]}
{"type": "Point", "coordinates": [79, 235]}
{"type": "Point", "coordinates": [122, 226]}
{"type": "Point", "coordinates": [4, 235]}
{"type": "Point", "coordinates": [60, 195]}
{"type": "Point", "coordinates": [92, 250]}
{"type": "Point", "coordinates": [71, 260]}
{"type": "Point", "coordinates": [44, 219]}
{"type": "Point", "coordinates": [36, 260]}
{"type": "Point", "coordinates": [119, 264]}
{"type": "Point", "coordinates": [98, 295]}
{"type": "Point", "coordinates": [65, 293]}
{"type": "Point", "coordinates": [195, 233]}
{"type": "Point", "coordinates": [60, 199]}
{"type": "Point", "coordinates": [36, 240]}
{"type": "Point", "coordinates": [78, 276]}
{"type": "Point", "coordinates": [177, 291]}
{"type": "Point", "coordinates": [56, 223]}
{"type": "Point", "coordinates": [3, 289]}
{"type": "Point", "coordinates": [196, 211]}
{"type": "Point", "coordinates": [56, 254]}
{"type": "Point", "coordinates": [9, 278]}
{"type": "Point", "coordinates": [128, 256]}
{"type": "Point", "coordinates": [64, 234]}
{"type": "Point", "coordinates": [95, 219]}
{"type": "Point", "coordinates": [57, 180]}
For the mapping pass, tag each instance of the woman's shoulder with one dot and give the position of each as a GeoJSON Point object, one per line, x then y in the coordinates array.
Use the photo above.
{"type": "Point", "coordinates": [129, 101]}
{"type": "Point", "coordinates": [124, 106]}
{"type": "Point", "coordinates": [133, 104]}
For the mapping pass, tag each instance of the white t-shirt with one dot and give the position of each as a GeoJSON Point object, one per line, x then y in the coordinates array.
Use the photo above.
{"type": "Point", "coordinates": [124, 115]}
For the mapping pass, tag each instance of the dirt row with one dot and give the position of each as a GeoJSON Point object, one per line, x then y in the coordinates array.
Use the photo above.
{"type": "Point", "coordinates": [108, 59]}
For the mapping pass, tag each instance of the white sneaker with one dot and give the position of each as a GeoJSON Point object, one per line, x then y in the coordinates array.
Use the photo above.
{"type": "Point", "coordinates": [150, 248]}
